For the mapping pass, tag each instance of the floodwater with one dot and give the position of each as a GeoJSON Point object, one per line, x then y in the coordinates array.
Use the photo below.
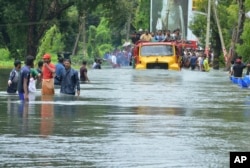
{"type": "Point", "coordinates": [128, 118]}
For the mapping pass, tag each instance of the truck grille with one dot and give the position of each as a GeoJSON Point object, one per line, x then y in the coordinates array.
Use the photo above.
{"type": "Point", "coordinates": [157, 66]}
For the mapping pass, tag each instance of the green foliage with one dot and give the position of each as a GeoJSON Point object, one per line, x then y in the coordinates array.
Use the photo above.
{"type": "Point", "coordinates": [91, 41]}
{"type": "Point", "coordinates": [232, 14]}
{"type": "Point", "coordinates": [198, 27]}
{"type": "Point", "coordinates": [227, 11]}
{"type": "Point", "coordinates": [99, 39]}
{"type": "Point", "coordinates": [4, 54]}
{"type": "Point", "coordinates": [104, 48]}
{"type": "Point", "coordinates": [142, 19]}
{"type": "Point", "coordinates": [244, 49]}
{"type": "Point", "coordinates": [103, 34]}
{"type": "Point", "coordinates": [51, 42]}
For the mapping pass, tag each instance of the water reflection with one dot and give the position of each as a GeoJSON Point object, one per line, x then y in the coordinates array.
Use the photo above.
{"type": "Point", "coordinates": [159, 110]}
{"type": "Point", "coordinates": [66, 105]}
{"type": "Point", "coordinates": [247, 109]}
{"type": "Point", "coordinates": [11, 101]}
{"type": "Point", "coordinates": [127, 118]}
{"type": "Point", "coordinates": [47, 115]}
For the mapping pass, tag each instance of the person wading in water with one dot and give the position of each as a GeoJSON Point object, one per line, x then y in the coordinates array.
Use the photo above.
{"type": "Point", "coordinates": [48, 72]}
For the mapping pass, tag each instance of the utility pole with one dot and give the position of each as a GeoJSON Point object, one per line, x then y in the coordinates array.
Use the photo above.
{"type": "Point", "coordinates": [84, 33]}
{"type": "Point", "coordinates": [220, 32]}
{"type": "Point", "coordinates": [208, 28]}
{"type": "Point", "coordinates": [237, 31]}
{"type": "Point", "coordinates": [77, 38]}
{"type": "Point", "coordinates": [128, 26]}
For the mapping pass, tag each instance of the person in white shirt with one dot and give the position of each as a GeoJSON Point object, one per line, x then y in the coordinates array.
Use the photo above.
{"type": "Point", "coordinates": [114, 61]}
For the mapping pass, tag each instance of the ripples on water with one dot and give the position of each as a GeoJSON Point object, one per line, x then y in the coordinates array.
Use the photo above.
{"type": "Point", "coordinates": [129, 118]}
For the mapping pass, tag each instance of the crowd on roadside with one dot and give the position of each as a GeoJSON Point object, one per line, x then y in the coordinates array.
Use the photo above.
{"type": "Point", "coordinates": [119, 58]}
{"type": "Point", "coordinates": [25, 80]}
{"type": "Point", "coordinates": [197, 60]}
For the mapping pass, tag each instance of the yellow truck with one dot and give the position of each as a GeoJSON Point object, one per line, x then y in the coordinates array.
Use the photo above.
{"type": "Point", "coordinates": [160, 55]}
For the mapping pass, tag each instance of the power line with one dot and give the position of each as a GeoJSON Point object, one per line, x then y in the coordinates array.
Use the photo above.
{"type": "Point", "coordinates": [31, 23]}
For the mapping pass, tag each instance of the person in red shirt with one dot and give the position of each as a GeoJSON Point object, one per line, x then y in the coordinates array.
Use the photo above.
{"type": "Point", "coordinates": [48, 72]}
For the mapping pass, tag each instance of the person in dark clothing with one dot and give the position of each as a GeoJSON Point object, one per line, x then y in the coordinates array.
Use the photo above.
{"type": "Point", "coordinates": [59, 69]}
{"type": "Point", "coordinates": [83, 72]}
{"type": "Point", "coordinates": [193, 61]}
{"type": "Point", "coordinates": [39, 70]}
{"type": "Point", "coordinates": [23, 83]}
{"type": "Point", "coordinates": [14, 77]}
{"type": "Point", "coordinates": [238, 68]}
{"type": "Point", "coordinates": [69, 80]}
{"type": "Point", "coordinates": [98, 64]}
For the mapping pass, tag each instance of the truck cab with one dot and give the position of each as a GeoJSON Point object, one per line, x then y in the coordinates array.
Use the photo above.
{"type": "Point", "coordinates": [157, 55]}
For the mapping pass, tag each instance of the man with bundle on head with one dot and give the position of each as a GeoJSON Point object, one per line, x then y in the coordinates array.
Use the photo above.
{"type": "Point", "coordinates": [48, 72]}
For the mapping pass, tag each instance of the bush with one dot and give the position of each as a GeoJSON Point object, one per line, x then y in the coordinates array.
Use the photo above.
{"type": "Point", "coordinates": [4, 54]}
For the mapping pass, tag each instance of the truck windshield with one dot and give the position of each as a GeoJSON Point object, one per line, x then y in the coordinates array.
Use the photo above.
{"type": "Point", "coordinates": [157, 50]}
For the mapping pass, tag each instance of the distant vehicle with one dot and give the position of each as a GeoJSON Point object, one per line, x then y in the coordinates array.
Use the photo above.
{"type": "Point", "coordinates": [160, 55]}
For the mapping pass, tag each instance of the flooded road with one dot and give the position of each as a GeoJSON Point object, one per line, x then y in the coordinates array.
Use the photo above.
{"type": "Point", "coordinates": [128, 118]}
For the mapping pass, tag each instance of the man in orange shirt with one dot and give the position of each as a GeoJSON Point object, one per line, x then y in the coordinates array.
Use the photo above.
{"type": "Point", "coordinates": [48, 72]}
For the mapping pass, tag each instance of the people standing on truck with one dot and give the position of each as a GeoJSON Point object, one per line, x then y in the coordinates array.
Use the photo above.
{"type": "Point", "coordinates": [159, 36]}
{"type": "Point", "coordinates": [146, 36]}
{"type": "Point", "coordinates": [153, 37]}
{"type": "Point", "coordinates": [167, 36]}
{"type": "Point", "coordinates": [14, 77]}
{"type": "Point", "coordinates": [176, 34]}
{"type": "Point", "coordinates": [48, 76]}
{"type": "Point", "coordinates": [136, 35]}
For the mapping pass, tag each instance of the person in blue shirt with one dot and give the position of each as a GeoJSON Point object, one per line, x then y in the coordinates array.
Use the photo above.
{"type": "Point", "coordinates": [193, 61]}
{"type": "Point", "coordinates": [70, 83]}
{"type": "Point", "coordinates": [59, 69]}
{"type": "Point", "coordinates": [23, 83]}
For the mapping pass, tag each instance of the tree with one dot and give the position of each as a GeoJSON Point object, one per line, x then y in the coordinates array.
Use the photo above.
{"type": "Point", "coordinates": [22, 28]}
{"type": "Point", "coordinates": [243, 48]}
{"type": "Point", "coordinates": [227, 12]}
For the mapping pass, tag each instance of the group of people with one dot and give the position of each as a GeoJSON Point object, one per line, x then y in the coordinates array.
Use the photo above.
{"type": "Point", "coordinates": [25, 79]}
{"type": "Point", "coordinates": [196, 60]}
{"type": "Point", "coordinates": [119, 58]}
